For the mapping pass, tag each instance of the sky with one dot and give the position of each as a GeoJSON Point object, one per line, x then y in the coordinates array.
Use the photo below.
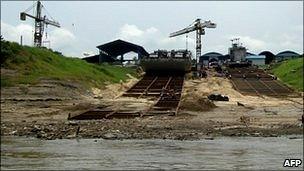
{"type": "Point", "coordinates": [272, 25]}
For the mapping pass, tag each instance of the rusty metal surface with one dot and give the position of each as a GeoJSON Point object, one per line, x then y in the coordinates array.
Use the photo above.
{"type": "Point", "coordinates": [167, 89]}
{"type": "Point", "coordinates": [104, 114]}
{"type": "Point", "coordinates": [252, 81]}
{"type": "Point", "coordinates": [169, 100]}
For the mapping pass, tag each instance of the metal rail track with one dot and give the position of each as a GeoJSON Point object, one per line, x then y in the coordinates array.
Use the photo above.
{"type": "Point", "coordinates": [167, 89]}
{"type": "Point", "coordinates": [251, 81]}
{"type": "Point", "coordinates": [169, 100]}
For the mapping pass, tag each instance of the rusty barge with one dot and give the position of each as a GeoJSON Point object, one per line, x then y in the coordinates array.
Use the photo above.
{"type": "Point", "coordinates": [162, 61]}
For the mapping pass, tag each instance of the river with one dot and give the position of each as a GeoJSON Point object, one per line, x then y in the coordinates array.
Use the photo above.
{"type": "Point", "coordinates": [220, 153]}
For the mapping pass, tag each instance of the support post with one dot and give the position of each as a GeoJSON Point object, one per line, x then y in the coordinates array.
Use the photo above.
{"type": "Point", "coordinates": [121, 60]}
{"type": "Point", "coordinates": [21, 43]}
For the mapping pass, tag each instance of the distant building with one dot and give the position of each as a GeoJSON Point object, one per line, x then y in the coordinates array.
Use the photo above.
{"type": "Point", "coordinates": [270, 57]}
{"type": "Point", "coordinates": [285, 55]}
{"type": "Point", "coordinates": [256, 59]}
{"type": "Point", "coordinates": [211, 57]}
{"type": "Point", "coordinates": [113, 52]}
{"type": "Point", "coordinates": [248, 54]}
{"type": "Point", "coordinates": [237, 52]}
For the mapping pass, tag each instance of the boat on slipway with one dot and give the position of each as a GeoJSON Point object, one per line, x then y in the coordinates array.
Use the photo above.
{"type": "Point", "coordinates": [163, 61]}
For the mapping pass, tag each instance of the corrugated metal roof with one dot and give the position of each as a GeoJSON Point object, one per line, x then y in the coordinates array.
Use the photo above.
{"type": "Point", "coordinates": [212, 54]}
{"type": "Point", "coordinates": [256, 57]}
{"type": "Point", "coordinates": [287, 53]}
{"type": "Point", "coordinates": [120, 47]}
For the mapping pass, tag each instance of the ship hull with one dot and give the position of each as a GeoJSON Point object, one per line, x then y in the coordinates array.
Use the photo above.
{"type": "Point", "coordinates": [166, 64]}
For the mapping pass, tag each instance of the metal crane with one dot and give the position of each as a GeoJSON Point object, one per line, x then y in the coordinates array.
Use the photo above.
{"type": "Point", "coordinates": [40, 22]}
{"type": "Point", "coordinates": [200, 30]}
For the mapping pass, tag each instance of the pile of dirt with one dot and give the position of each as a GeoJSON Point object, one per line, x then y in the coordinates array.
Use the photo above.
{"type": "Point", "coordinates": [196, 103]}
{"type": "Point", "coordinates": [114, 90]}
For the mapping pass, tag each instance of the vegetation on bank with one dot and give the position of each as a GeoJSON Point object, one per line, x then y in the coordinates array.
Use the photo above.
{"type": "Point", "coordinates": [290, 72]}
{"type": "Point", "coordinates": [32, 64]}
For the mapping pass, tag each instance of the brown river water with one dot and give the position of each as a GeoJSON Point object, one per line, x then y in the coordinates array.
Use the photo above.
{"type": "Point", "coordinates": [97, 154]}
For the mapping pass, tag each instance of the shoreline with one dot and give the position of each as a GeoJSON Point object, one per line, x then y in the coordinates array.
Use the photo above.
{"type": "Point", "coordinates": [198, 118]}
{"type": "Point", "coordinates": [138, 129]}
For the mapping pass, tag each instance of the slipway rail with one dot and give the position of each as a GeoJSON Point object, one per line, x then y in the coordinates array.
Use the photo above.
{"type": "Point", "coordinates": [167, 89]}
{"type": "Point", "coordinates": [252, 81]}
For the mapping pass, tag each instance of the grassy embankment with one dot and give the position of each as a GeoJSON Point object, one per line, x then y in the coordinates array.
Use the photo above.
{"type": "Point", "coordinates": [290, 72]}
{"type": "Point", "coordinates": [32, 64]}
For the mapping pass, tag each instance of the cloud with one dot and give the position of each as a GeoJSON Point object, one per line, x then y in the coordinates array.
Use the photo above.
{"type": "Point", "coordinates": [289, 41]}
{"type": "Point", "coordinates": [130, 31]}
{"type": "Point", "coordinates": [60, 39]}
{"type": "Point", "coordinates": [297, 28]}
{"type": "Point", "coordinates": [152, 30]}
{"type": "Point", "coordinates": [252, 44]}
{"type": "Point", "coordinates": [286, 41]}
{"type": "Point", "coordinates": [152, 39]}
{"type": "Point", "coordinates": [12, 33]}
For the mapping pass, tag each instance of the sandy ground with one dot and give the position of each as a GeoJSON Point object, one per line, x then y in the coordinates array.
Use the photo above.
{"type": "Point", "coordinates": [258, 111]}
{"type": "Point", "coordinates": [41, 110]}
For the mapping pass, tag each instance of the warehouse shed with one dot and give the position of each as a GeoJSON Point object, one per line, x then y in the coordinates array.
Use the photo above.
{"type": "Point", "coordinates": [285, 55]}
{"type": "Point", "coordinates": [212, 56]}
{"type": "Point", "coordinates": [114, 52]}
{"type": "Point", "coordinates": [256, 59]}
{"type": "Point", "coordinates": [270, 57]}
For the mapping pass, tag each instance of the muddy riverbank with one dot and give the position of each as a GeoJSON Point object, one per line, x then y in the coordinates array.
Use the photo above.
{"type": "Point", "coordinates": [42, 110]}
{"type": "Point", "coordinates": [156, 127]}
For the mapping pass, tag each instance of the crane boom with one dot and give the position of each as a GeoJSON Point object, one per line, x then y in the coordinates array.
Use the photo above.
{"type": "Point", "coordinates": [206, 24]}
{"type": "Point", "coordinates": [40, 21]}
{"type": "Point", "coordinates": [183, 31]}
{"type": "Point", "coordinates": [45, 20]}
{"type": "Point", "coordinates": [200, 30]}
{"type": "Point", "coordinates": [50, 22]}
{"type": "Point", "coordinates": [23, 16]}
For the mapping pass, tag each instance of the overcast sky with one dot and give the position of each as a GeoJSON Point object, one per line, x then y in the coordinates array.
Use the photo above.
{"type": "Point", "coordinates": [273, 25]}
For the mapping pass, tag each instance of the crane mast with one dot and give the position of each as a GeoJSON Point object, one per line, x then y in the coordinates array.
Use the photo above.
{"type": "Point", "coordinates": [40, 22]}
{"type": "Point", "coordinates": [199, 27]}
{"type": "Point", "coordinates": [39, 26]}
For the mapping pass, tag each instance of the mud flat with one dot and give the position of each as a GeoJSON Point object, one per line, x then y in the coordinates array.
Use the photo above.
{"type": "Point", "coordinates": [42, 110]}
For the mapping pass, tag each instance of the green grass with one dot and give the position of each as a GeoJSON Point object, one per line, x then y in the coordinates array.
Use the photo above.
{"type": "Point", "coordinates": [290, 72]}
{"type": "Point", "coordinates": [33, 63]}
